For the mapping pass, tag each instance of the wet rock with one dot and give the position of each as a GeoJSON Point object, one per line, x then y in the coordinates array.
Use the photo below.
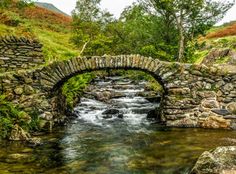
{"type": "Point", "coordinates": [141, 110]}
{"type": "Point", "coordinates": [156, 99]}
{"type": "Point", "coordinates": [17, 157]}
{"type": "Point", "coordinates": [220, 160]}
{"type": "Point", "coordinates": [18, 134]}
{"type": "Point", "coordinates": [103, 96]}
{"type": "Point", "coordinates": [216, 122]}
{"type": "Point", "coordinates": [120, 116]}
{"type": "Point", "coordinates": [35, 141]}
{"type": "Point", "coordinates": [111, 112]}
{"type": "Point", "coordinates": [107, 116]}
{"type": "Point", "coordinates": [117, 95]}
{"type": "Point", "coordinates": [152, 114]}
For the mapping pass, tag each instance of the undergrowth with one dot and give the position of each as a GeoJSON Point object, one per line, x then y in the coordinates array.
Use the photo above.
{"type": "Point", "coordinates": [10, 115]}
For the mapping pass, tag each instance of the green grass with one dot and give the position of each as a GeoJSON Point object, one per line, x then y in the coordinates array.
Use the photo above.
{"type": "Point", "coordinates": [56, 45]}
{"type": "Point", "coordinates": [54, 37]}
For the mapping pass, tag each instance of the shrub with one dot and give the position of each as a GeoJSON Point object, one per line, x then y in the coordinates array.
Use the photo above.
{"type": "Point", "coordinates": [10, 18]}
{"type": "Point", "coordinates": [75, 86]}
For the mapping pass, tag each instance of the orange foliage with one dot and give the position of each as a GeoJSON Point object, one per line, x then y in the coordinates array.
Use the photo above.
{"type": "Point", "coordinates": [45, 15]}
{"type": "Point", "coordinates": [228, 31]}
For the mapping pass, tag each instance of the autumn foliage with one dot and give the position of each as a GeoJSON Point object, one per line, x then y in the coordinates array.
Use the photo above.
{"type": "Point", "coordinates": [33, 13]}
{"type": "Point", "coordinates": [42, 14]}
{"type": "Point", "coordinates": [227, 31]}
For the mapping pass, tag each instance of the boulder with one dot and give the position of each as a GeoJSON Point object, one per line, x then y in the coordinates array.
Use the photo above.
{"type": "Point", "coordinates": [111, 112]}
{"type": "Point", "coordinates": [103, 96]}
{"type": "Point", "coordinates": [152, 114]}
{"type": "Point", "coordinates": [231, 107]}
{"type": "Point", "coordinates": [19, 134]}
{"type": "Point", "coordinates": [220, 160]}
{"type": "Point", "coordinates": [215, 122]}
{"type": "Point", "coordinates": [35, 141]}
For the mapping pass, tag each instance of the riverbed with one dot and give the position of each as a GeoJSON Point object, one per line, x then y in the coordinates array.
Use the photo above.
{"type": "Point", "coordinates": [113, 136]}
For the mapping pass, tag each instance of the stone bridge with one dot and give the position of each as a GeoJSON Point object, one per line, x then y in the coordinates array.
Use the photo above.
{"type": "Point", "coordinates": [195, 95]}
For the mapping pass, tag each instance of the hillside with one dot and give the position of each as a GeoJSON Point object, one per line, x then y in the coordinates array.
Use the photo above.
{"type": "Point", "coordinates": [50, 7]}
{"type": "Point", "coordinates": [50, 28]}
{"type": "Point", "coordinates": [218, 46]}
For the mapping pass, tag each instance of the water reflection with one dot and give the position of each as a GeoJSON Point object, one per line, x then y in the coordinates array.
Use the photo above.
{"type": "Point", "coordinates": [112, 145]}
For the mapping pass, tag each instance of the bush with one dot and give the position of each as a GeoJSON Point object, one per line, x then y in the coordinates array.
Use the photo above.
{"type": "Point", "coordinates": [8, 116]}
{"type": "Point", "coordinates": [5, 3]}
{"type": "Point", "coordinates": [75, 86]}
{"type": "Point", "coordinates": [10, 18]}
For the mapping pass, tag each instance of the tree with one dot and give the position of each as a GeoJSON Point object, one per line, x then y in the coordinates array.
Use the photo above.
{"type": "Point", "coordinates": [87, 10]}
{"type": "Point", "coordinates": [191, 17]}
{"type": "Point", "coordinates": [89, 23]}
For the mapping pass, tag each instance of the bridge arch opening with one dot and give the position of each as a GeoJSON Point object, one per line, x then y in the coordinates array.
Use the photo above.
{"type": "Point", "coordinates": [68, 94]}
{"type": "Point", "coordinates": [56, 74]}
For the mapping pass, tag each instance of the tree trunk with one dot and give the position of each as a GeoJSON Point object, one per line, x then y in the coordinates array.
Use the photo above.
{"type": "Point", "coordinates": [83, 48]}
{"type": "Point", "coordinates": [181, 38]}
{"type": "Point", "coordinates": [181, 44]}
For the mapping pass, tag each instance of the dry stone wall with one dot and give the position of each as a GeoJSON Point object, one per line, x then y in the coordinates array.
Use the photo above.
{"type": "Point", "coordinates": [19, 53]}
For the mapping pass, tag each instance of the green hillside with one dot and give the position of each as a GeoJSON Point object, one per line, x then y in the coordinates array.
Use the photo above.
{"type": "Point", "coordinates": [52, 29]}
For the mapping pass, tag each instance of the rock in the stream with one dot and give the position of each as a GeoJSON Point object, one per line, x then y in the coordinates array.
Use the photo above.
{"type": "Point", "coordinates": [35, 141]}
{"type": "Point", "coordinates": [111, 112]}
{"type": "Point", "coordinates": [120, 116]}
{"type": "Point", "coordinates": [152, 114]}
{"type": "Point", "coordinates": [221, 160]}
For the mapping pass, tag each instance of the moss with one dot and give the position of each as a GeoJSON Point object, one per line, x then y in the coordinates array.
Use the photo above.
{"type": "Point", "coordinates": [222, 60]}
{"type": "Point", "coordinates": [11, 115]}
{"type": "Point", "coordinates": [75, 86]}
{"type": "Point", "coordinates": [199, 56]}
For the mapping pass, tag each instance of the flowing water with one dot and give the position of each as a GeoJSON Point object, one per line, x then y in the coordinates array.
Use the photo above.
{"type": "Point", "coordinates": [124, 142]}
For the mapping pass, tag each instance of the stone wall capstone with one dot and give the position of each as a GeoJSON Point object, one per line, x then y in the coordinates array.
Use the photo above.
{"type": "Point", "coordinates": [19, 53]}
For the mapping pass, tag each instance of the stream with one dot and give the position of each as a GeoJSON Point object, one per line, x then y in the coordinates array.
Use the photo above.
{"type": "Point", "coordinates": [112, 135]}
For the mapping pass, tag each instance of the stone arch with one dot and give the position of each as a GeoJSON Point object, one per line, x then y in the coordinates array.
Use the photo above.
{"type": "Point", "coordinates": [54, 75]}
